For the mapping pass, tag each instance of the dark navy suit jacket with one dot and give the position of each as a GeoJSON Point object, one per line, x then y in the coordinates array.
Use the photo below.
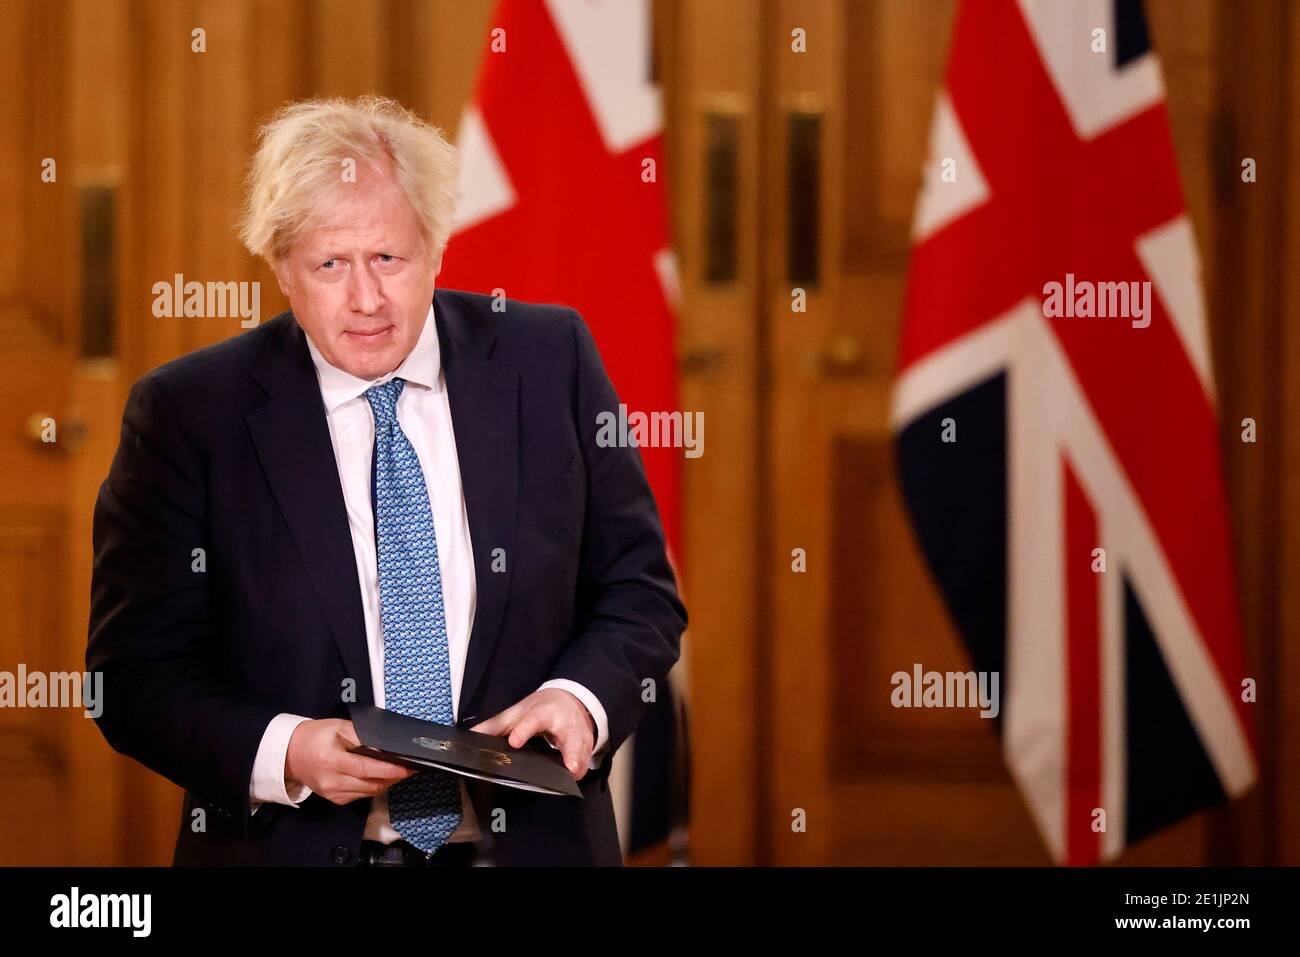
{"type": "Point", "coordinates": [228, 450]}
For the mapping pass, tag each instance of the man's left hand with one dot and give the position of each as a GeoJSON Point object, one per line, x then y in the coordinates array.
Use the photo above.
{"type": "Point", "coordinates": [555, 714]}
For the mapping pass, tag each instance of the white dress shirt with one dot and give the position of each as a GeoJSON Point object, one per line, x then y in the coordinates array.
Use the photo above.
{"type": "Point", "coordinates": [425, 417]}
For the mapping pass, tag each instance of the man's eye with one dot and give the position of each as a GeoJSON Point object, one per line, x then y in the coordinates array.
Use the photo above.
{"type": "Point", "coordinates": [327, 264]}
{"type": "Point", "coordinates": [385, 258]}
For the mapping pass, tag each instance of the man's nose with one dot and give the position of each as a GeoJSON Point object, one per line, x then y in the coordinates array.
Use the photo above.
{"type": "Point", "coordinates": [366, 293]}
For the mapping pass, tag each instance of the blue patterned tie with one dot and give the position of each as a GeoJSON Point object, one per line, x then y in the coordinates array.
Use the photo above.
{"type": "Point", "coordinates": [425, 808]}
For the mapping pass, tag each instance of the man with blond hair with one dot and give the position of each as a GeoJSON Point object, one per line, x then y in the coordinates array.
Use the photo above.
{"type": "Point", "coordinates": [389, 495]}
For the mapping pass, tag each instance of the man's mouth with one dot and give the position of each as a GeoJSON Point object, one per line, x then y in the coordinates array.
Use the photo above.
{"type": "Point", "coordinates": [364, 334]}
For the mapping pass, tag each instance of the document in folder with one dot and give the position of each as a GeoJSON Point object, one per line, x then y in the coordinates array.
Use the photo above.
{"type": "Point", "coordinates": [415, 743]}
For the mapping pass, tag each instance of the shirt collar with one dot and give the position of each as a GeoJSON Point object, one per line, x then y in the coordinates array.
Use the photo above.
{"type": "Point", "coordinates": [422, 367]}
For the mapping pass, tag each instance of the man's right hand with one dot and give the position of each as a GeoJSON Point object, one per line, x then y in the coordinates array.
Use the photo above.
{"type": "Point", "coordinates": [318, 757]}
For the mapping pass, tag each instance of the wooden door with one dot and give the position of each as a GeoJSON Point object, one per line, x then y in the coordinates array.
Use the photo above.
{"type": "Point", "coordinates": [60, 284]}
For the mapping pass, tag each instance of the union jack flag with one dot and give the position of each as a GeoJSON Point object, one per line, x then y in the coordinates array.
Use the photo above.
{"type": "Point", "coordinates": [1063, 471]}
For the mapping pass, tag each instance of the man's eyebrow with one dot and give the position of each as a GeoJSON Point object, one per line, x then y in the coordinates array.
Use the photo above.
{"type": "Point", "coordinates": [384, 247]}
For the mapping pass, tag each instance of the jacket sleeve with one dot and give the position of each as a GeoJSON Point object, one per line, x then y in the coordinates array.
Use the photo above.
{"type": "Point", "coordinates": [629, 617]}
{"type": "Point", "coordinates": [151, 634]}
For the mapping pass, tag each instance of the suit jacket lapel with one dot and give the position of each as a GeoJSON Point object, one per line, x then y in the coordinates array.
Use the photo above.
{"type": "Point", "coordinates": [484, 400]}
{"type": "Point", "coordinates": [292, 439]}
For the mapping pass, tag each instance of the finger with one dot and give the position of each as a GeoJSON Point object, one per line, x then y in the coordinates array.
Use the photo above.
{"type": "Point", "coordinates": [347, 797]}
{"type": "Point", "coordinates": [360, 766]}
{"type": "Point", "coordinates": [534, 721]}
{"type": "Point", "coordinates": [500, 723]}
{"type": "Point", "coordinates": [400, 774]}
{"type": "Point", "coordinates": [572, 747]}
{"type": "Point", "coordinates": [348, 733]}
{"type": "Point", "coordinates": [360, 786]}
{"type": "Point", "coordinates": [352, 789]}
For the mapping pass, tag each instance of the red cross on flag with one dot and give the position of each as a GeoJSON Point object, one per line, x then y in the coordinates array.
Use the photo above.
{"type": "Point", "coordinates": [563, 201]}
{"type": "Point", "coordinates": [1056, 426]}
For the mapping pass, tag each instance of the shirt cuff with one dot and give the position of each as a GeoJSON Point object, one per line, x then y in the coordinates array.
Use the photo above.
{"type": "Point", "coordinates": [268, 784]}
{"type": "Point", "coordinates": [594, 708]}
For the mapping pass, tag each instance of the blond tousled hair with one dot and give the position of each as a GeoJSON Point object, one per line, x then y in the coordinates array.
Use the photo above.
{"type": "Point", "coordinates": [301, 153]}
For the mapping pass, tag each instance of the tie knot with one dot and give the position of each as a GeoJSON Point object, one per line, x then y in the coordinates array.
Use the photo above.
{"type": "Point", "coordinates": [383, 400]}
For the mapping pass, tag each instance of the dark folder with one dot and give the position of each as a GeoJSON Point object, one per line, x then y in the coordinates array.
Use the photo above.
{"type": "Point", "coordinates": [415, 743]}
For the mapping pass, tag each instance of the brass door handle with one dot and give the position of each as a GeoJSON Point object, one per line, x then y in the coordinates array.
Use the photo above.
{"type": "Point", "coordinates": [700, 359]}
{"type": "Point", "coordinates": [843, 355]}
{"type": "Point", "coordinates": [46, 431]}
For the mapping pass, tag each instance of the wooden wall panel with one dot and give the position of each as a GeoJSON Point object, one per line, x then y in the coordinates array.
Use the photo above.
{"type": "Point", "coordinates": [158, 180]}
{"type": "Point", "coordinates": [34, 308]}
{"type": "Point", "coordinates": [1285, 835]}
{"type": "Point", "coordinates": [440, 44]}
{"type": "Point", "coordinates": [223, 81]}
{"type": "Point", "coordinates": [1247, 265]}
{"type": "Point", "coordinates": [447, 62]}
{"type": "Point", "coordinates": [278, 70]}
{"type": "Point", "coordinates": [348, 47]}
{"type": "Point", "coordinates": [33, 761]}
{"type": "Point", "coordinates": [14, 154]}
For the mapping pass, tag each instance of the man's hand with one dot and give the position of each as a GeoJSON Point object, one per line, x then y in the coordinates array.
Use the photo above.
{"type": "Point", "coordinates": [318, 757]}
{"type": "Point", "coordinates": [555, 714]}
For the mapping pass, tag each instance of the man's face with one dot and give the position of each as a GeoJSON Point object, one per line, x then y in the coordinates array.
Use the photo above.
{"type": "Point", "coordinates": [360, 279]}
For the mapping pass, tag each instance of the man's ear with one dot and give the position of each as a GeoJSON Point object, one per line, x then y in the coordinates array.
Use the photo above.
{"type": "Point", "coordinates": [437, 263]}
{"type": "Point", "coordinates": [281, 271]}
